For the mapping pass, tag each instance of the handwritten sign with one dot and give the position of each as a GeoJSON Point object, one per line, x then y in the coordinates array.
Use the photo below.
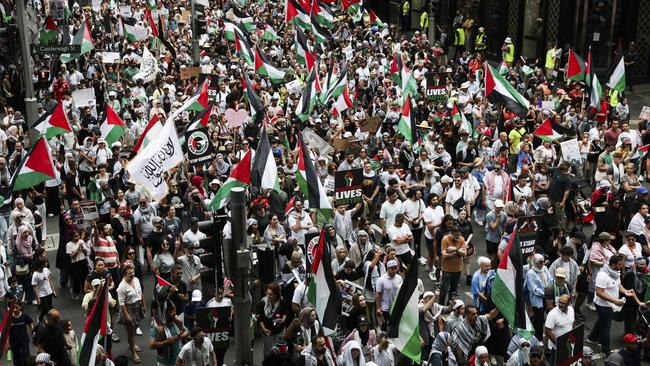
{"type": "Point", "coordinates": [570, 151]}
{"type": "Point", "coordinates": [111, 57]}
{"type": "Point", "coordinates": [548, 105]}
{"type": "Point", "coordinates": [293, 87]}
{"type": "Point", "coordinates": [189, 72]}
{"type": "Point", "coordinates": [83, 97]}
{"type": "Point", "coordinates": [235, 118]}
{"type": "Point", "coordinates": [369, 124]}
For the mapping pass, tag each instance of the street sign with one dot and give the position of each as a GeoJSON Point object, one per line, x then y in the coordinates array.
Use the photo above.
{"type": "Point", "coordinates": [56, 49]}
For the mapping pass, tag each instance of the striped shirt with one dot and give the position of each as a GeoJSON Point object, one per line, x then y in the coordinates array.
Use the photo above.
{"type": "Point", "coordinates": [105, 249]}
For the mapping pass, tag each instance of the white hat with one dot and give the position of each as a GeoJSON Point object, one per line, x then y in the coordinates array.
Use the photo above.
{"type": "Point", "coordinates": [44, 357]}
{"type": "Point", "coordinates": [112, 94]}
{"type": "Point", "coordinates": [508, 40]}
{"type": "Point", "coordinates": [391, 263]}
{"type": "Point", "coordinates": [116, 144]}
{"type": "Point", "coordinates": [215, 181]}
{"type": "Point", "coordinates": [95, 282]}
{"type": "Point", "coordinates": [196, 295]}
{"type": "Point", "coordinates": [604, 183]}
{"type": "Point", "coordinates": [498, 203]}
{"type": "Point", "coordinates": [427, 294]}
{"type": "Point", "coordinates": [464, 85]}
{"type": "Point", "coordinates": [101, 141]}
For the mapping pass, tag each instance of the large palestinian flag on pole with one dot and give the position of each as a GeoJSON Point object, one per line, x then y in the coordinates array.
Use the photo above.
{"type": "Point", "coordinates": [296, 14]}
{"type": "Point", "coordinates": [153, 128]}
{"type": "Point", "coordinates": [508, 288]}
{"type": "Point", "coordinates": [263, 66]}
{"type": "Point", "coordinates": [309, 182]}
{"type": "Point", "coordinates": [549, 131]}
{"type": "Point", "coordinates": [403, 323]}
{"type": "Point", "coordinates": [500, 90]}
{"type": "Point", "coordinates": [96, 326]}
{"type": "Point", "coordinates": [113, 127]}
{"type": "Point", "coordinates": [36, 167]}
{"type": "Point", "coordinates": [322, 292]}
{"type": "Point", "coordinates": [53, 124]}
{"type": "Point", "coordinates": [575, 68]}
{"type": "Point", "coordinates": [239, 177]}
{"type": "Point", "coordinates": [404, 125]}
{"type": "Point", "coordinates": [264, 174]}
{"type": "Point", "coordinates": [5, 327]}
{"type": "Point", "coordinates": [596, 92]}
{"type": "Point", "coordinates": [306, 103]}
{"type": "Point", "coordinates": [257, 107]}
{"type": "Point", "coordinates": [82, 38]}
{"type": "Point", "coordinates": [617, 79]}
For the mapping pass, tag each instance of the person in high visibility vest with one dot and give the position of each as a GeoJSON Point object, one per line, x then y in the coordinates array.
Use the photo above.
{"type": "Point", "coordinates": [424, 22]}
{"type": "Point", "coordinates": [508, 51]}
{"type": "Point", "coordinates": [406, 15]}
{"type": "Point", "coordinates": [552, 57]}
{"type": "Point", "coordinates": [459, 41]}
{"type": "Point", "coordinates": [480, 42]}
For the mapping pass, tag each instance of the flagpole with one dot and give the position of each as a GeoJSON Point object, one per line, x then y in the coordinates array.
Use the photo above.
{"type": "Point", "coordinates": [195, 31]}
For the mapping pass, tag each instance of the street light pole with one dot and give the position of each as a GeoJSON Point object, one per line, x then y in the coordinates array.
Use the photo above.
{"type": "Point", "coordinates": [195, 34]}
{"type": "Point", "coordinates": [31, 114]}
{"type": "Point", "coordinates": [240, 268]}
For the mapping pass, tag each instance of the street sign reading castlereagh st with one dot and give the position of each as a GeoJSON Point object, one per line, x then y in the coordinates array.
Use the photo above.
{"type": "Point", "coordinates": [56, 49]}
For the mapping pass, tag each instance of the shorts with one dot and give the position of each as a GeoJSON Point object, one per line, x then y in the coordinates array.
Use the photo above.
{"type": "Point", "coordinates": [582, 285]}
{"type": "Point", "coordinates": [405, 258]}
{"type": "Point", "coordinates": [492, 247]}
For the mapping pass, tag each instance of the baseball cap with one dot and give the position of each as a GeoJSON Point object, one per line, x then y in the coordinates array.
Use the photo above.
{"type": "Point", "coordinates": [95, 282]}
{"type": "Point", "coordinates": [498, 203]}
{"type": "Point", "coordinates": [642, 190]}
{"type": "Point", "coordinates": [428, 294]}
{"type": "Point", "coordinates": [196, 295]}
{"type": "Point", "coordinates": [560, 272]}
{"type": "Point", "coordinates": [630, 338]}
{"type": "Point", "coordinates": [587, 351]}
{"type": "Point", "coordinates": [537, 350]}
{"type": "Point", "coordinates": [391, 263]}
{"type": "Point", "coordinates": [156, 219]}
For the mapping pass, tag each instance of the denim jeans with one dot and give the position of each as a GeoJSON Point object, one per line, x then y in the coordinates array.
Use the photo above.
{"type": "Point", "coordinates": [449, 285]}
{"type": "Point", "coordinates": [602, 327]}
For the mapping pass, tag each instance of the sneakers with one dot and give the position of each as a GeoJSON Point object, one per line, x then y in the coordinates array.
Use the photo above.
{"type": "Point", "coordinates": [432, 276]}
{"type": "Point", "coordinates": [591, 306]}
{"type": "Point", "coordinates": [589, 340]}
{"type": "Point", "coordinates": [138, 331]}
{"type": "Point", "coordinates": [115, 338]}
{"type": "Point", "coordinates": [423, 261]}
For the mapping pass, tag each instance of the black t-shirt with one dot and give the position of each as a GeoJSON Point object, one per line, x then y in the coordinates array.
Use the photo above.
{"type": "Point", "coordinates": [154, 241]}
{"type": "Point", "coordinates": [103, 275]}
{"type": "Point", "coordinates": [51, 340]}
{"type": "Point", "coordinates": [369, 184]}
{"type": "Point", "coordinates": [560, 183]}
{"type": "Point", "coordinates": [19, 333]}
{"type": "Point", "coordinates": [176, 299]}
{"type": "Point", "coordinates": [70, 183]}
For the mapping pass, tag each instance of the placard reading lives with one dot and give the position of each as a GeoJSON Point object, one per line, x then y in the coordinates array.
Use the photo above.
{"type": "Point", "coordinates": [347, 187]}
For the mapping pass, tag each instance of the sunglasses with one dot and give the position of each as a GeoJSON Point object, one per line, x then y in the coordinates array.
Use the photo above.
{"type": "Point", "coordinates": [129, 253]}
{"type": "Point", "coordinates": [536, 355]}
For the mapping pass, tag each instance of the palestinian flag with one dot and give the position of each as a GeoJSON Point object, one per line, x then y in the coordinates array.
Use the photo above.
{"type": "Point", "coordinates": [396, 69]}
{"type": "Point", "coordinates": [53, 124]}
{"type": "Point", "coordinates": [499, 89]}
{"type": "Point", "coordinates": [240, 17]}
{"type": "Point", "coordinates": [151, 4]}
{"type": "Point", "coordinates": [36, 167]}
{"type": "Point", "coordinates": [405, 125]}
{"type": "Point", "coordinates": [309, 182]}
{"type": "Point", "coordinates": [162, 36]}
{"type": "Point", "coordinates": [152, 23]}
{"type": "Point", "coordinates": [312, 66]}
{"type": "Point", "coordinates": [296, 14]}
{"type": "Point", "coordinates": [596, 92]}
{"type": "Point", "coordinates": [575, 68]}
{"type": "Point", "coordinates": [503, 68]}
{"type": "Point", "coordinates": [322, 14]}
{"type": "Point", "coordinates": [5, 327]}
{"type": "Point", "coordinates": [153, 127]}
{"type": "Point", "coordinates": [269, 33]}
{"type": "Point", "coordinates": [617, 79]}
{"type": "Point", "coordinates": [409, 86]}
{"type": "Point", "coordinates": [403, 323]}
{"type": "Point", "coordinates": [96, 326]}
{"type": "Point", "coordinates": [201, 120]}
{"type": "Point", "coordinates": [83, 38]}
{"type": "Point", "coordinates": [49, 33]}
{"type": "Point", "coordinates": [302, 47]}
{"type": "Point", "coordinates": [197, 103]}
{"type": "Point", "coordinates": [508, 288]}
{"type": "Point", "coordinates": [162, 282]}
{"type": "Point", "coordinates": [336, 89]}
{"type": "Point", "coordinates": [113, 127]}
{"type": "Point", "coordinates": [588, 69]}
{"type": "Point", "coordinates": [264, 174]}
{"type": "Point", "coordinates": [256, 105]}
{"type": "Point", "coordinates": [323, 292]}
{"type": "Point", "coordinates": [321, 34]}
{"type": "Point", "coordinates": [549, 131]}
{"type": "Point", "coordinates": [132, 33]}
{"type": "Point", "coordinates": [263, 66]}
{"type": "Point", "coordinates": [458, 117]}
{"type": "Point", "coordinates": [643, 150]}
{"type": "Point", "coordinates": [244, 50]}
{"type": "Point", "coordinates": [306, 103]}
{"type": "Point", "coordinates": [239, 177]}
{"type": "Point", "coordinates": [374, 19]}
{"type": "Point", "coordinates": [343, 102]}
{"type": "Point", "coordinates": [230, 29]}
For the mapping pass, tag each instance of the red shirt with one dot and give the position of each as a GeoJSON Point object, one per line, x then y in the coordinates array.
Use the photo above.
{"type": "Point", "coordinates": [59, 88]}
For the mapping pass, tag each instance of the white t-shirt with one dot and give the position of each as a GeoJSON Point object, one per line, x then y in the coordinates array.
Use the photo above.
{"type": "Point", "coordinates": [300, 295]}
{"type": "Point", "coordinates": [395, 232]}
{"type": "Point", "coordinates": [433, 215]}
{"type": "Point", "coordinates": [388, 288]}
{"type": "Point", "coordinates": [226, 302]}
{"type": "Point", "coordinates": [498, 187]}
{"type": "Point", "coordinates": [42, 282]}
{"type": "Point", "coordinates": [609, 285]}
{"type": "Point", "coordinates": [190, 237]}
{"type": "Point", "coordinates": [72, 246]}
{"type": "Point", "coordinates": [454, 194]}
{"type": "Point", "coordinates": [127, 294]}
{"type": "Point", "coordinates": [559, 322]}
{"type": "Point", "coordinates": [304, 220]}
{"type": "Point", "coordinates": [389, 211]}
{"type": "Point", "coordinates": [414, 209]}
{"type": "Point", "coordinates": [196, 356]}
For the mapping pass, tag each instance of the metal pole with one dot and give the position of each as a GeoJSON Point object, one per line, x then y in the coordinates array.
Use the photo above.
{"type": "Point", "coordinates": [31, 114]}
{"type": "Point", "coordinates": [240, 263]}
{"type": "Point", "coordinates": [195, 34]}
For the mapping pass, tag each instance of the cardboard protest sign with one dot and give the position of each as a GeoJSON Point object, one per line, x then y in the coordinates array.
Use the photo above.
{"type": "Point", "coordinates": [370, 124]}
